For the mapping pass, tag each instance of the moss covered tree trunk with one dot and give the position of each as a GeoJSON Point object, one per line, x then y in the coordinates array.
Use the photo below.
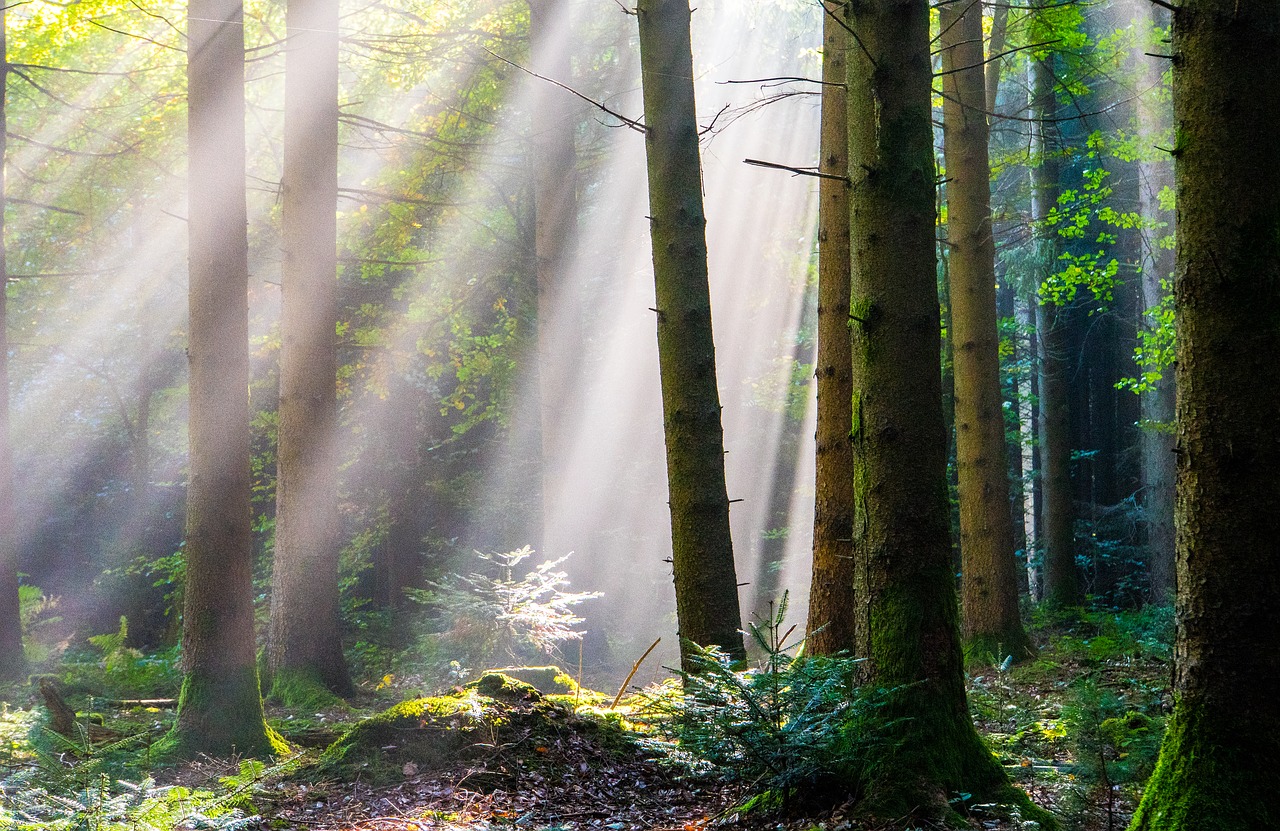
{"type": "Point", "coordinates": [831, 612]}
{"type": "Point", "coordinates": [1217, 767]}
{"type": "Point", "coordinates": [304, 643]}
{"type": "Point", "coordinates": [1059, 581]}
{"type": "Point", "coordinates": [12, 661]}
{"type": "Point", "coordinates": [992, 626]}
{"type": "Point", "coordinates": [908, 628]}
{"type": "Point", "coordinates": [707, 607]}
{"type": "Point", "coordinates": [220, 707]}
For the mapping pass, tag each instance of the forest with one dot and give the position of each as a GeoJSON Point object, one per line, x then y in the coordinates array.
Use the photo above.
{"type": "Point", "coordinates": [345, 485]}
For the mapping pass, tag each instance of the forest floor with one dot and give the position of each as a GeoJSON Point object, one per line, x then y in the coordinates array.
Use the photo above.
{"type": "Point", "coordinates": [1078, 728]}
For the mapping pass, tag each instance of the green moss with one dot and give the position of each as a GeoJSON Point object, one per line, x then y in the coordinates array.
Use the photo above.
{"type": "Point", "coordinates": [221, 716]}
{"type": "Point", "coordinates": [1207, 782]}
{"type": "Point", "coordinates": [548, 680]}
{"type": "Point", "coordinates": [429, 731]}
{"type": "Point", "coordinates": [933, 752]}
{"type": "Point", "coordinates": [493, 710]}
{"type": "Point", "coordinates": [498, 684]}
{"type": "Point", "coordinates": [303, 690]}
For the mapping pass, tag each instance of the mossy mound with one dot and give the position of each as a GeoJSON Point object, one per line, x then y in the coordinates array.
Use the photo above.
{"type": "Point", "coordinates": [548, 680]}
{"type": "Point", "coordinates": [496, 718]}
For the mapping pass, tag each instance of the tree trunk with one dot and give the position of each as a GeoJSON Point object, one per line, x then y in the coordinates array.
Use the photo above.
{"type": "Point", "coordinates": [992, 626]}
{"type": "Point", "coordinates": [1217, 763]}
{"type": "Point", "coordinates": [1060, 585]}
{"type": "Point", "coordinates": [555, 228]}
{"type": "Point", "coordinates": [220, 708]}
{"type": "Point", "coordinates": [1159, 465]}
{"type": "Point", "coordinates": [304, 644]}
{"type": "Point", "coordinates": [831, 612]}
{"type": "Point", "coordinates": [707, 608]}
{"type": "Point", "coordinates": [1029, 465]}
{"type": "Point", "coordinates": [12, 662]}
{"type": "Point", "coordinates": [908, 616]}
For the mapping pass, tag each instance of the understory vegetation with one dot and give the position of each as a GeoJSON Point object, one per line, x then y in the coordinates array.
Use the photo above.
{"type": "Point", "coordinates": [787, 740]}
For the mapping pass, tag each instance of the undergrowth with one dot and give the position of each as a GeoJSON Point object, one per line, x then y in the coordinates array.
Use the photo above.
{"type": "Point", "coordinates": [794, 728]}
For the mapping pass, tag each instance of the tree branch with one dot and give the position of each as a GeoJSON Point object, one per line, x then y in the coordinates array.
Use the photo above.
{"type": "Point", "coordinates": [799, 171]}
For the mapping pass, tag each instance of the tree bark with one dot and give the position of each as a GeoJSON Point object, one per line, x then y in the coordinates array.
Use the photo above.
{"type": "Point", "coordinates": [1217, 764]}
{"type": "Point", "coordinates": [831, 599]}
{"type": "Point", "coordinates": [908, 616]}
{"type": "Point", "coordinates": [220, 707]}
{"type": "Point", "coordinates": [304, 643]}
{"type": "Point", "coordinates": [12, 661]}
{"type": "Point", "coordinates": [992, 625]}
{"type": "Point", "coordinates": [1060, 584]}
{"type": "Point", "coordinates": [707, 606]}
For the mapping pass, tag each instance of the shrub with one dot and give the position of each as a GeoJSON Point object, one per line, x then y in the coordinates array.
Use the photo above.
{"type": "Point", "coordinates": [794, 727]}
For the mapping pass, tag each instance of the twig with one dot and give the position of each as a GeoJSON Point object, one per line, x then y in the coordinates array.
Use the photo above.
{"type": "Point", "coordinates": [633, 123]}
{"type": "Point", "coordinates": [632, 673]}
{"type": "Point", "coordinates": [19, 201]}
{"type": "Point", "coordinates": [799, 171]}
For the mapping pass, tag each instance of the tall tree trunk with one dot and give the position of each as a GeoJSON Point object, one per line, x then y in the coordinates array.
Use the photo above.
{"type": "Point", "coordinates": [1028, 349]}
{"type": "Point", "coordinates": [1217, 763]}
{"type": "Point", "coordinates": [220, 709]}
{"type": "Point", "coordinates": [304, 644]}
{"type": "Point", "coordinates": [1159, 465]}
{"type": "Point", "coordinates": [992, 626]}
{"type": "Point", "coordinates": [707, 607]}
{"type": "Point", "coordinates": [555, 228]}
{"type": "Point", "coordinates": [831, 612]}
{"type": "Point", "coordinates": [908, 626]}
{"type": "Point", "coordinates": [12, 662]}
{"type": "Point", "coordinates": [1060, 584]}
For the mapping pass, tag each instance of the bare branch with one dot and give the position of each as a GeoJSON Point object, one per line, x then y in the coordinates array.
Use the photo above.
{"type": "Point", "coordinates": [14, 200]}
{"type": "Point", "coordinates": [152, 41]}
{"type": "Point", "coordinates": [769, 82]}
{"type": "Point", "coordinates": [798, 171]}
{"type": "Point", "coordinates": [634, 124]}
{"type": "Point", "coordinates": [995, 57]}
{"type": "Point", "coordinates": [68, 151]}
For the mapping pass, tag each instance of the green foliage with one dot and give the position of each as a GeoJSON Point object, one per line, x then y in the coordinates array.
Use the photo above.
{"type": "Point", "coordinates": [1156, 349]}
{"type": "Point", "coordinates": [117, 670]}
{"type": "Point", "coordinates": [1101, 635]}
{"type": "Point", "coordinates": [36, 613]}
{"type": "Point", "coordinates": [1114, 743]}
{"type": "Point", "coordinates": [793, 727]}
{"type": "Point", "coordinates": [52, 796]}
